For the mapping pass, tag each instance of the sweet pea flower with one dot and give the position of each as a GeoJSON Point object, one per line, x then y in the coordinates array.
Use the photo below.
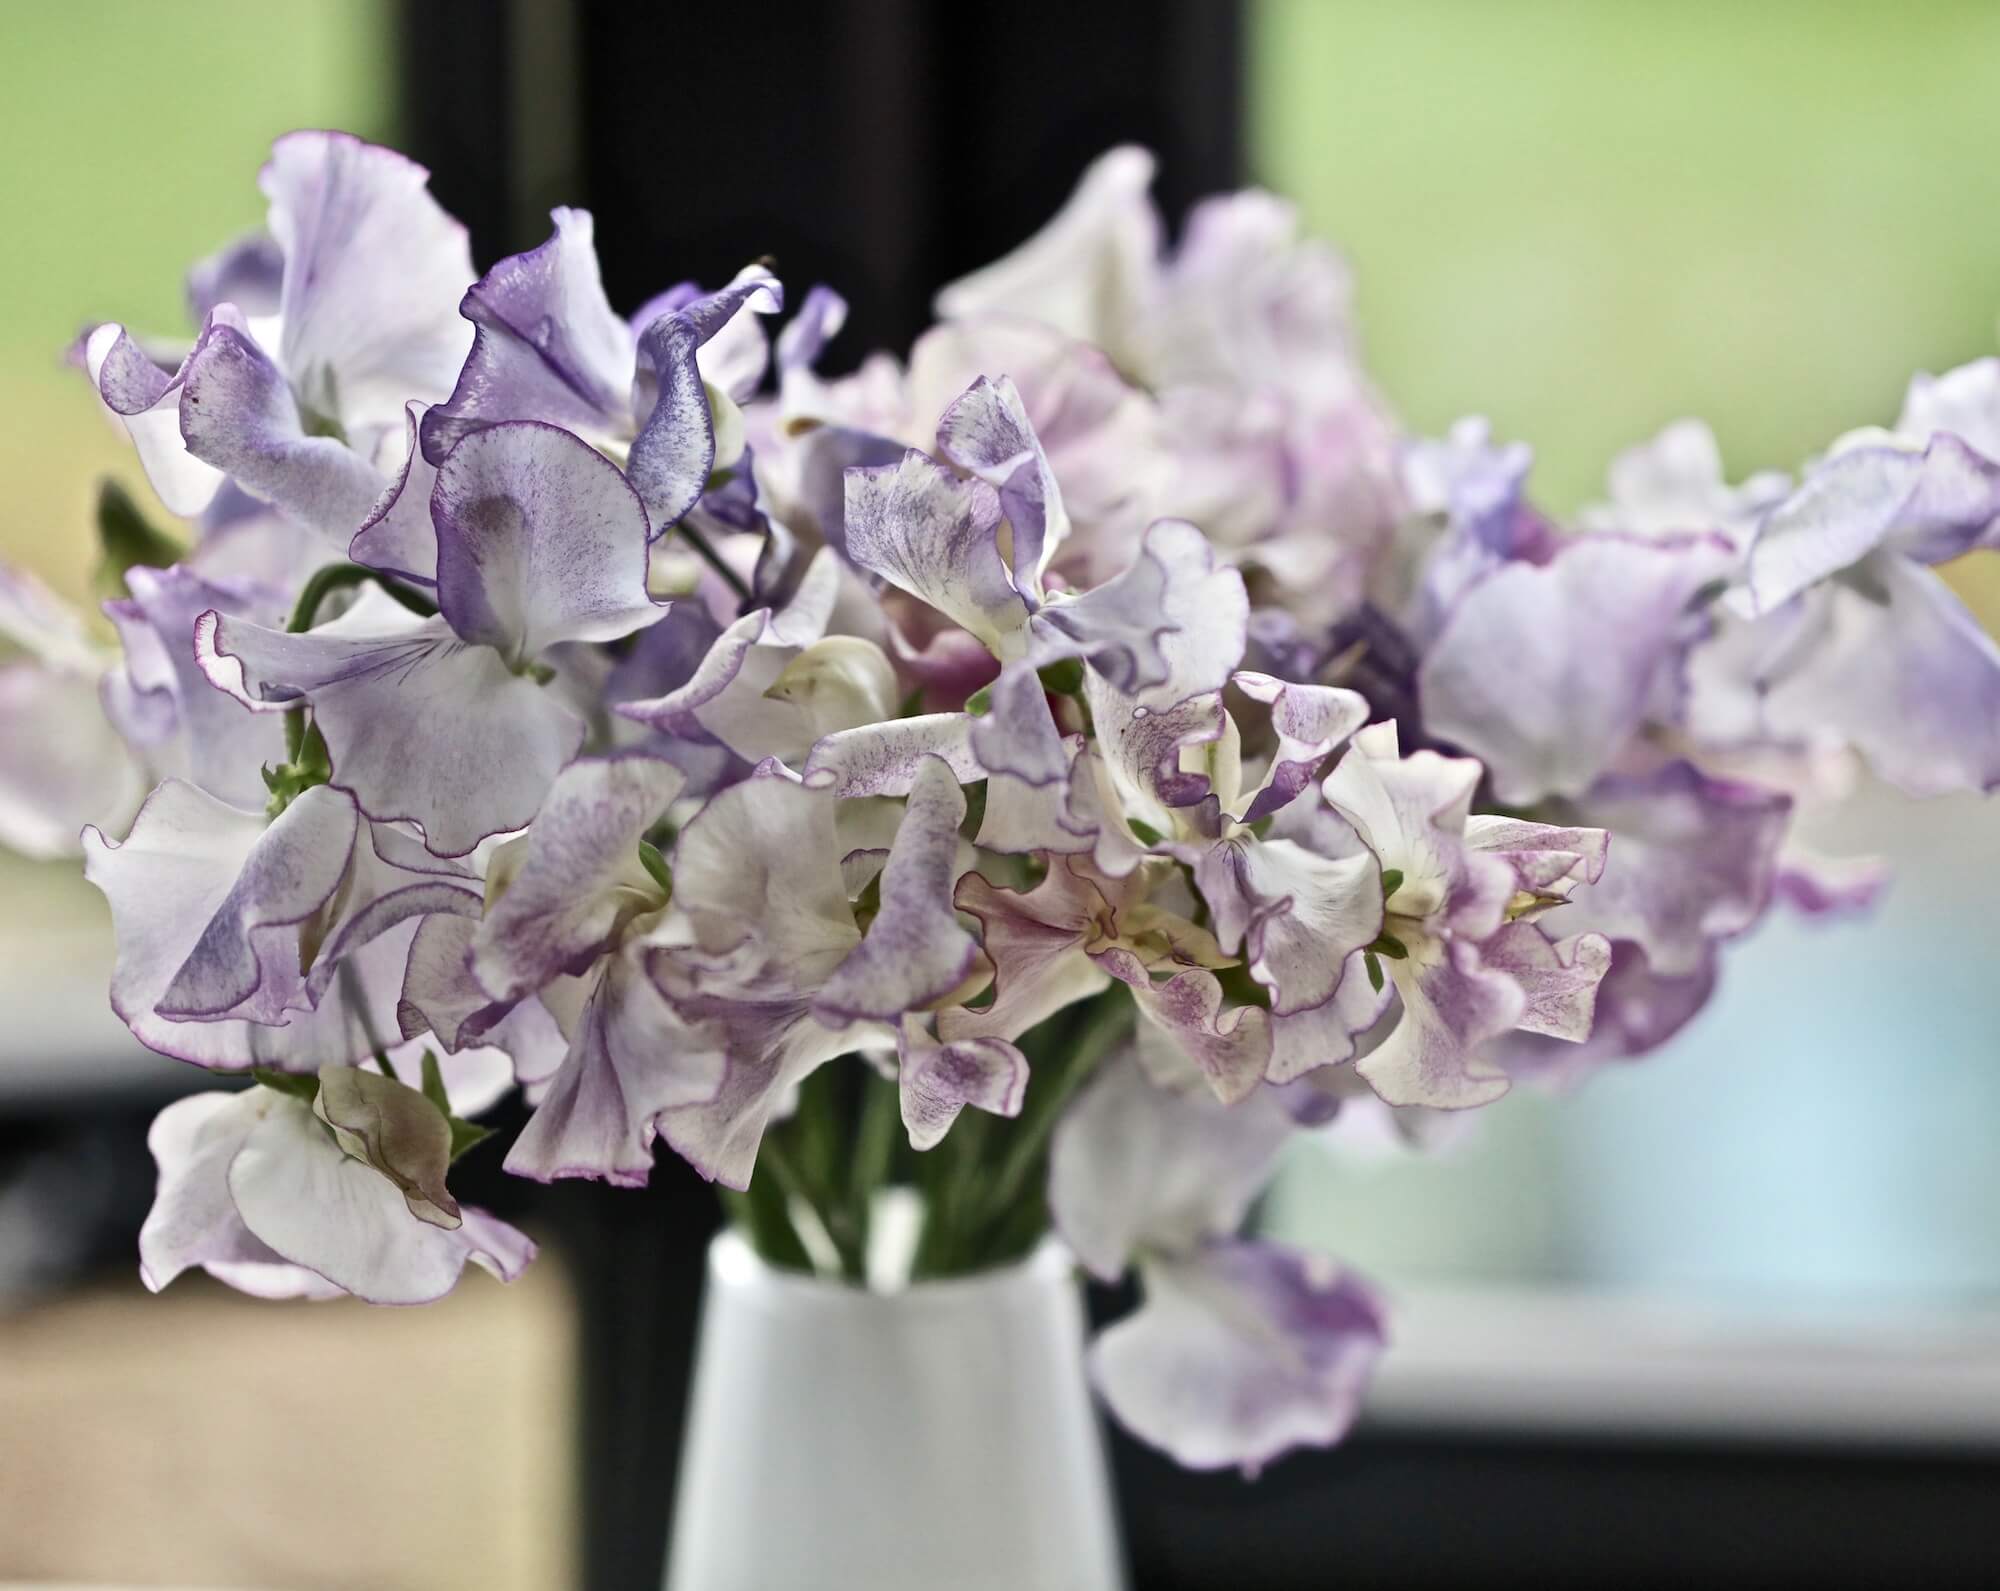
{"type": "Point", "coordinates": [1241, 1349]}
{"type": "Point", "coordinates": [443, 721]}
{"type": "Point", "coordinates": [298, 397]}
{"type": "Point", "coordinates": [287, 1192]}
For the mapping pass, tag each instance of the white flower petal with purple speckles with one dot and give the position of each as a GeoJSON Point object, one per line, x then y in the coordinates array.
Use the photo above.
{"type": "Point", "coordinates": [580, 878]}
{"type": "Point", "coordinates": [1692, 861]}
{"type": "Point", "coordinates": [1230, 1047]}
{"type": "Point", "coordinates": [1559, 977]}
{"type": "Point", "coordinates": [986, 434]}
{"type": "Point", "coordinates": [539, 540]}
{"type": "Point", "coordinates": [239, 414]}
{"type": "Point", "coordinates": [373, 274]}
{"type": "Point", "coordinates": [1544, 672]}
{"type": "Point", "coordinates": [315, 1206]}
{"type": "Point", "coordinates": [937, 1081]}
{"type": "Point", "coordinates": [914, 953]}
{"type": "Point", "coordinates": [397, 535]}
{"type": "Point", "coordinates": [546, 345]}
{"type": "Point", "coordinates": [1134, 1167]}
{"type": "Point", "coordinates": [420, 726]}
{"type": "Point", "coordinates": [1547, 858]}
{"type": "Point", "coordinates": [147, 400]}
{"type": "Point", "coordinates": [1239, 1353]}
{"type": "Point", "coordinates": [884, 759]}
{"type": "Point", "coordinates": [1452, 1005]}
{"type": "Point", "coordinates": [1034, 938]}
{"type": "Point", "coordinates": [675, 450]}
{"type": "Point", "coordinates": [1172, 626]}
{"type": "Point", "coordinates": [631, 1060]}
{"type": "Point", "coordinates": [1637, 1011]}
{"type": "Point", "coordinates": [935, 535]}
{"type": "Point", "coordinates": [1310, 721]}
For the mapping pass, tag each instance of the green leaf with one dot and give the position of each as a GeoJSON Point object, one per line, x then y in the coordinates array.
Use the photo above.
{"type": "Point", "coordinates": [466, 1135]}
{"type": "Point", "coordinates": [1145, 833]}
{"type": "Point", "coordinates": [1374, 970]}
{"type": "Point", "coordinates": [1392, 880]}
{"type": "Point", "coordinates": [127, 540]}
{"type": "Point", "coordinates": [1064, 678]}
{"type": "Point", "coordinates": [975, 809]}
{"type": "Point", "coordinates": [433, 1081]}
{"type": "Point", "coordinates": [304, 1087]}
{"type": "Point", "coordinates": [656, 866]}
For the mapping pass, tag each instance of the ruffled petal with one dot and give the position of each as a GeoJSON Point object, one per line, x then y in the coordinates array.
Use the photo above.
{"type": "Point", "coordinates": [420, 726]}
{"type": "Point", "coordinates": [1240, 1353]}
{"type": "Point", "coordinates": [1692, 862]}
{"type": "Point", "coordinates": [1172, 626]}
{"type": "Point", "coordinates": [884, 759]}
{"type": "Point", "coordinates": [1906, 675]}
{"type": "Point", "coordinates": [580, 878]}
{"type": "Point", "coordinates": [146, 399]}
{"type": "Point", "coordinates": [1545, 672]}
{"type": "Point", "coordinates": [914, 953]}
{"type": "Point", "coordinates": [546, 345]}
{"type": "Point", "coordinates": [1452, 1005]}
{"type": "Point", "coordinates": [631, 1060]}
{"type": "Point", "coordinates": [1035, 939]}
{"type": "Point", "coordinates": [63, 766]}
{"type": "Point", "coordinates": [675, 451]}
{"type": "Point", "coordinates": [1135, 1167]}
{"type": "Point", "coordinates": [316, 1206]}
{"type": "Point", "coordinates": [396, 1132]}
{"type": "Point", "coordinates": [239, 414]}
{"type": "Point", "coordinates": [397, 536]}
{"type": "Point", "coordinates": [539, 540]}
{"type": "Point", "coordinates": [373, 274]}
{"type": "Point", "coordinates": [937, 1081]}
{"type": "Point", "coordinates": [1310, 722]}
{"type": "Point", "coordinates": [193, 1220]}
{"type": "Point", "coordinates": [986, 434]}
{"type": "Point", "coordinates": [1559, 977]}
{"type": "Point", "coordinates": [934, 534]}
{"type": "Point", "coordinates": [1231, 1047]}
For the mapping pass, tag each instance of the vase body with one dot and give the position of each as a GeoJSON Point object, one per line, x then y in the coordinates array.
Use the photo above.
{"type": "Point", "coordinates": [940, 1436]}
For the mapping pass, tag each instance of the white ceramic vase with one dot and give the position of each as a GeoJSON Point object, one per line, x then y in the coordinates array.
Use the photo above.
{"type": "Point", "coordinates": [939, 1436]}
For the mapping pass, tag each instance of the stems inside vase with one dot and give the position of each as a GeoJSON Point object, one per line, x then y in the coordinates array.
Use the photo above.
{"type": "Point", "coordinates": [812, 1203]}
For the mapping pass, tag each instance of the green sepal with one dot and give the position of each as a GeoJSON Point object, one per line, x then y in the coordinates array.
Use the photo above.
{"type": "Point", "coordinates": [1062, 678]}
{"type": "Point", "coordinates": [302, 1086]}
{"type": "Point", "coordinates": [1392, 880]}
{"type": "Point", "coordinates": [1145, 833]}
{"type": "Point", "coordinates": [1389, 945]}
{"type": "Point", "coordinates": [656, 866]}
{"type": "Point", "coordinates": [1374, 970]}
{"type": "Point", "coordinates": [912, 704]}
{"type": "Point", "coordinates": [127, 540]}
{"type": "Point", "coordinates": [464, 1134]}
{"type": "Point", "coordinates": [980, 702]}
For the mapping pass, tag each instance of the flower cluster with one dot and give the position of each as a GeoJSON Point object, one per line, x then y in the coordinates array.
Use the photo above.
{"type": "Point", "coordinates": [1104, 721]}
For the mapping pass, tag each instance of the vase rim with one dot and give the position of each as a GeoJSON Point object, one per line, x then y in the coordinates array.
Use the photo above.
{"type": "Point", "coordinates": [734, 1264]}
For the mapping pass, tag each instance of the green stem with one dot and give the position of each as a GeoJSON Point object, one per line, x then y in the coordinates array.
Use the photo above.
{"type": "Point", "coordinates": [340, 577]}
{"type": "Point", "coordinates": [874, 1150]}
{"type": "Point", "coordinates": [713, 559]}
{"type": "Point", "coordinates": [1050, 1088]}
{"type": "Point", "coordinates": [760, 1215]}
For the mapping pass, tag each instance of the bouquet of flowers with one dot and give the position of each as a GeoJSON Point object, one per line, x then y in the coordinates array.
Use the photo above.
{"type": "Point", "coordinates": [1051, 772]}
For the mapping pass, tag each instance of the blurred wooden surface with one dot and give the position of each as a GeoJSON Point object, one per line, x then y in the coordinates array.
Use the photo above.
{"type": "Point", "coordinates": [201, 1438]}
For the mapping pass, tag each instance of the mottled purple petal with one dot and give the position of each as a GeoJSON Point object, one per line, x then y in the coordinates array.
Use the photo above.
{"type": "Point", "coordinates": [1172, 626]}
{"type": "Point", "coordinates": [934, 535]}
{"type": "Point", "coordinates": [146, 400]}
{"type": "Point", "coordinates": [1231, 1047]}
{"type": "Point", "coordinates": [1310, 721]}
{"type": "Point", "coordinates": [539, 540]}
{"type": "Point", "coordinates": [1452, 1005]}
{"type": "Point", "coordinates": [986, 433]}
{"type": "Point", "coordinates": [674, 453]}
{"type": "Point", "coordinates": [631, 1060]}
{"type": "Point", "coordinates": [397, 536]}
{"type": "Point", "coordinates": [1240, 1353]}
{"type": "Point", "coordinates": [580, 878]}
{"type": "Point", "coordinates": [239, 414]}
{"type": "Point", "coordinates": [1559, 977]}
{"type": "Point", "coordinates": [937, 1081]}
{"type": "Point", "coordinates": [1545, 672]}
{"type": "Point", "coordinates": [390, 692]}
{"type": "Point", "coordinates": [884, 759]}
{"type": "Point", "coordinates": [546, 345]}
{"type": "Point", "coordinates": [914, 952]}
